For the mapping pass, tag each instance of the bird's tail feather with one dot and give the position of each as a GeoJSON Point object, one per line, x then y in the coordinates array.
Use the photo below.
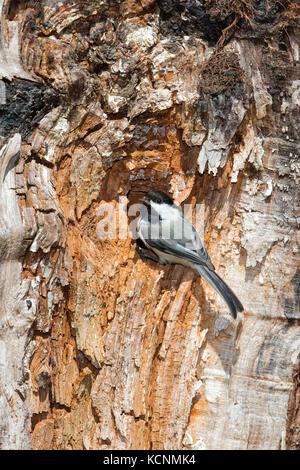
{"type": "Point", "coordinates": [222, 288]}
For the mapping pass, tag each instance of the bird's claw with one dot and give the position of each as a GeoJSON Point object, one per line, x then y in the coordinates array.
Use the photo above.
{"type": "Point", "coordinates": [144, 256]}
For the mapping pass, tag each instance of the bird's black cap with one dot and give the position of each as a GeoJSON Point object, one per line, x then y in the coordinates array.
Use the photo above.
{"type": "Point", "coordinates": [159, 197]}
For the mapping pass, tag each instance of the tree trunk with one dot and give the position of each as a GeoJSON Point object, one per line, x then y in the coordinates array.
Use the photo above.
{"type": "Point", "coordinates": [102, 100]}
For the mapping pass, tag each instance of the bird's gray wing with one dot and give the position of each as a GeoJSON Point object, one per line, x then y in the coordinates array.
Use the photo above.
{"type": "Point", "coordinates": [192, 241]}
{"type": "Point", "coordinates": [177, 238]}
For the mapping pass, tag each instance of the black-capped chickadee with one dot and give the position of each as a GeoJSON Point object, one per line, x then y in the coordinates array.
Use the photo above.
{"type": "Point", "coordinates": [163, 229]}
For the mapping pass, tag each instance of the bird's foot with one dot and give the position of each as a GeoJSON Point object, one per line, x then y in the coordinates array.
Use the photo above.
{"type": "Point", "coordinates": [144, 256]}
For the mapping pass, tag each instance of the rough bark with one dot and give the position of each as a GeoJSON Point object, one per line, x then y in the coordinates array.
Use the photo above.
{"type": "Point", "coordinates": [102, 99]}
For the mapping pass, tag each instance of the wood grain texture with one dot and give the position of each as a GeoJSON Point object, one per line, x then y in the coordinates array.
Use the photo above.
{"type": "Point", "coordinates": [112, 352]}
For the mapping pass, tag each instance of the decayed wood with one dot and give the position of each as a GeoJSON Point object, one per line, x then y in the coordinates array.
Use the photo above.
{"type": "Point", "coordinates": [293, 441]}
{"type": "Point", "coordinates": [18, 306]}
{"type": "Point", "coordinates": [100, 350]}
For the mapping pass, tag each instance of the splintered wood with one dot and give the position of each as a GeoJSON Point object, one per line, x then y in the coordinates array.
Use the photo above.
{"type": "Point", "coordinates": [99, 103]}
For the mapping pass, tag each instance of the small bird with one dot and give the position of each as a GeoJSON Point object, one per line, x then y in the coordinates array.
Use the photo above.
{"type": "Point", "coordinates": [163, 229]}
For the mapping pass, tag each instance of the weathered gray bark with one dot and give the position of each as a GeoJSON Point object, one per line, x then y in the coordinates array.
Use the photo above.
{"type": "Point", "coordinates": [105, 99]}
{"type": "Point", "coordinates": [18, 308]}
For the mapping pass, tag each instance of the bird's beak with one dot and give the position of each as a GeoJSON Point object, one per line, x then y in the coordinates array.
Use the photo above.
{"type": "Point", "coordinates": [144, 199]}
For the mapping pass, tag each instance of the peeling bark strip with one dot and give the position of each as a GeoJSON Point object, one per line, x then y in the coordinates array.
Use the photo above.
{"type": "Point", "coordinates": [98, 100]}
{"type": "Point", "coordinates": [293, 421]}
{"type": "Point", "coordinates": [19, 301]}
